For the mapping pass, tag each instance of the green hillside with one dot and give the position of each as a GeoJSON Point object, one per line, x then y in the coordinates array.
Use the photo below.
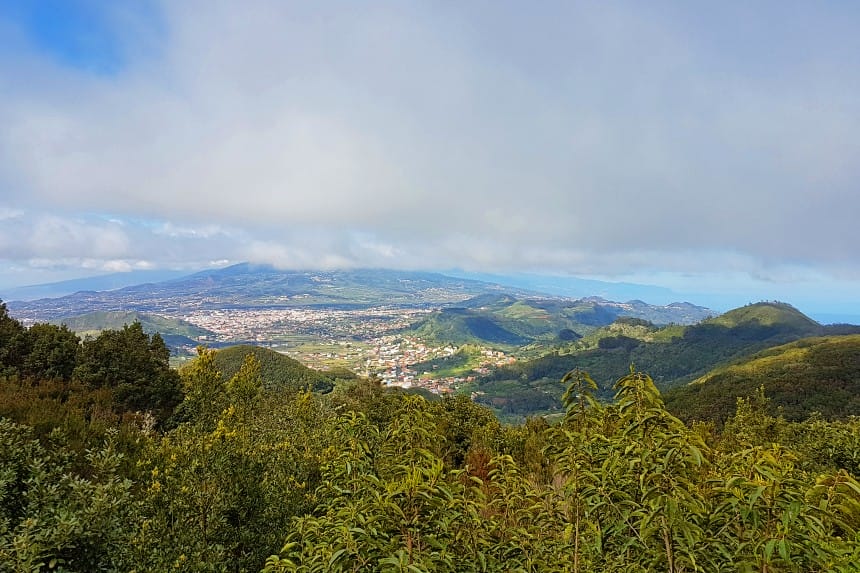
{"type": "Point", "coordinates": [777, 314]}
{"type": "Point", "coordinates": [819, 374]}
{"type": "Point", "coordinates": [502, 320]}
{"type": "Point", "coordinates": [465, 326]}
{"type": "Point", "coordinates": [278, 371]}
{"type": "Point", "coordinates": [671, 355]}
{"type": "Point", "coordinates": [123, 464]}
{"type": "Point", "coordinates": [115, 320]}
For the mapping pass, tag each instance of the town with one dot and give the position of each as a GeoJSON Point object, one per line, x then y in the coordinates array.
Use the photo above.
{"type": "Point", "coordinates": [371, 342]}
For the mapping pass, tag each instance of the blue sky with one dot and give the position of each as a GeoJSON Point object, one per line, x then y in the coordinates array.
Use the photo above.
{"type": "Point", "coordinates": [78, 34]}
{"type": "Point", "coordinates": [708, 149]}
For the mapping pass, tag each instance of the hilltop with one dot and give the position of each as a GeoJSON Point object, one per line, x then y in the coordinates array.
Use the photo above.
{"type": "Point", "coordinates": [767, 314]}
{"type": "Point", "coordinates": [279, 372]}
{"type": "Point", "coordinates": [820, 374]}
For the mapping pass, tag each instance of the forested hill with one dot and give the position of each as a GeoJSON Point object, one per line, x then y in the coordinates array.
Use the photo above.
{"type": "Point", "coordinates": [278, 372]}
{"type": "Point", "coordinates": [672, 355]}
{"type": "Point", "coordinates": [819, 374]}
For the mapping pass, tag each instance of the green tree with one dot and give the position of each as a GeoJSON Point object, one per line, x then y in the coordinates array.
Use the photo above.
{"type": "Point", "coordinates": [13, 343]}
{"type": "Point", "coordinates": [134, 366]}
{"type": "Point", "coordinates": [53, 352]}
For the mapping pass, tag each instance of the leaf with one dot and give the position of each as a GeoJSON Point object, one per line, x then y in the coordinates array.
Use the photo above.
{"type": "Point", "coordinates": [335, 556]}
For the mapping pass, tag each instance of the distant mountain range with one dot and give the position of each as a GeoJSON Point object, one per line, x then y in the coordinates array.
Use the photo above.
{"type": "Point", "coordinates": [260, 286]}
{"type": "Point", "coordinates": [111, 281]}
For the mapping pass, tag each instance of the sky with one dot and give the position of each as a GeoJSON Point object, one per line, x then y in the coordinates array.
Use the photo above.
{"type": "Point", "coordinates": [708, 148]}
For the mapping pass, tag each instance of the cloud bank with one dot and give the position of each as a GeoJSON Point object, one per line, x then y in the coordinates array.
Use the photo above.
{"type": "Point", "coordinates": [588, 138]}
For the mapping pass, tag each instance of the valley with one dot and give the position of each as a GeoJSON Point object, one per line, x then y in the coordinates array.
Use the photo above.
{"type": "Point", "coordinates": [409, 329]}
{"type": "Point", "coordinates": [505, 348]}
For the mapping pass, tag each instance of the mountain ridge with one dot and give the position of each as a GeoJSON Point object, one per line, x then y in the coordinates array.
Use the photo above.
{"type": "Point", "coordinates": [673, 356]}
{"type": "Point", "coordinates": [817, 374]}
{"type": "Point", "coordinates": [264, 286]}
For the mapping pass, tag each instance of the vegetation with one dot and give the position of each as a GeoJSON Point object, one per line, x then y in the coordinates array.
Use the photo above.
{"type": "Point", "coordinates": [462, 326]}
{"type": "Point", "coordinates": [95, 322]}
{"type": "Point", "coordinates": [502, 320]}
{"type": "Point", "coordinates": [460, 363]}
{"type": "Point", "coordinates": [280, 372]}
{"type": "Point", "coordinates": [179, 335]}
{"type": "Point", "coordinates": [811, 375]}
{"type": "Point", "coordinates": [671, 355]}
{"type": "Point", "coordinates": [251, 475]}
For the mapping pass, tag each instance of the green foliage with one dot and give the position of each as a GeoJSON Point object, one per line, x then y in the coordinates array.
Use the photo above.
{"type": "Point", "coordinates": [253, 474]}
{"type": "Point", "coordinates": [51, 518]}
{"type": "Point", "coordinates": [619, 487]}
{"type": "Point", "coordinates": [13, 344]}
{"type": "Point", "coordinates": [811, 375]}
{"type": "Point", "coordinates": [203, 387]}
{"type": "Point", "coordinates": [223, 493]}
{"type": "Point", "coordinates": [463, 427]}
{"type": "Point", "coordinates": [278, 371]}
{"type": "Point", "coordinates": [53, 352]}
{"type": "Point", "coordinates": [389, 505]}
{"type": "Point", "coordinates": [134, 366]}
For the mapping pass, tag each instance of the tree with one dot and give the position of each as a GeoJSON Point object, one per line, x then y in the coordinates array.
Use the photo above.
{"type": "Point", "coordinates": [13, 343]}
{"type": "Point", "coordinates": [52, 353]}
{"type": "Point", "coordinates": [134, 366]}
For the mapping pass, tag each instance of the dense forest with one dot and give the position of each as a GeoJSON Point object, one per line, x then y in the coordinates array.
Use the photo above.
{"type": "Point", "coordinates": [112, 461]}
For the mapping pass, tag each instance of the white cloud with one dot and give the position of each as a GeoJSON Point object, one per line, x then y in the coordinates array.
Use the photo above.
{"type": "Point", "coordinates": [580, 138]}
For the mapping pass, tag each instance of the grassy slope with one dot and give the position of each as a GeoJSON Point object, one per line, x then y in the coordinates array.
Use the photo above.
{"type": "Point", "coordinates": [813, 374]}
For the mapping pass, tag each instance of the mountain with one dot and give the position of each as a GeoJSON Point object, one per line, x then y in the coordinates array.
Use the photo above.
{"type": "Point", "coordinates": [260, 286]}
{"type": "Point", "coordinates": [671, 355]}
{"type": "Point", "coordinates": [820, 374]}
{"type": "Point", "coordinates": [767, 314]}
{"type": "Point", "coordinates": [98, 283]}
{"type": "Point", "coordinates": [278, 372]}
{"type": "Point", "coordinates": [503, 319]}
